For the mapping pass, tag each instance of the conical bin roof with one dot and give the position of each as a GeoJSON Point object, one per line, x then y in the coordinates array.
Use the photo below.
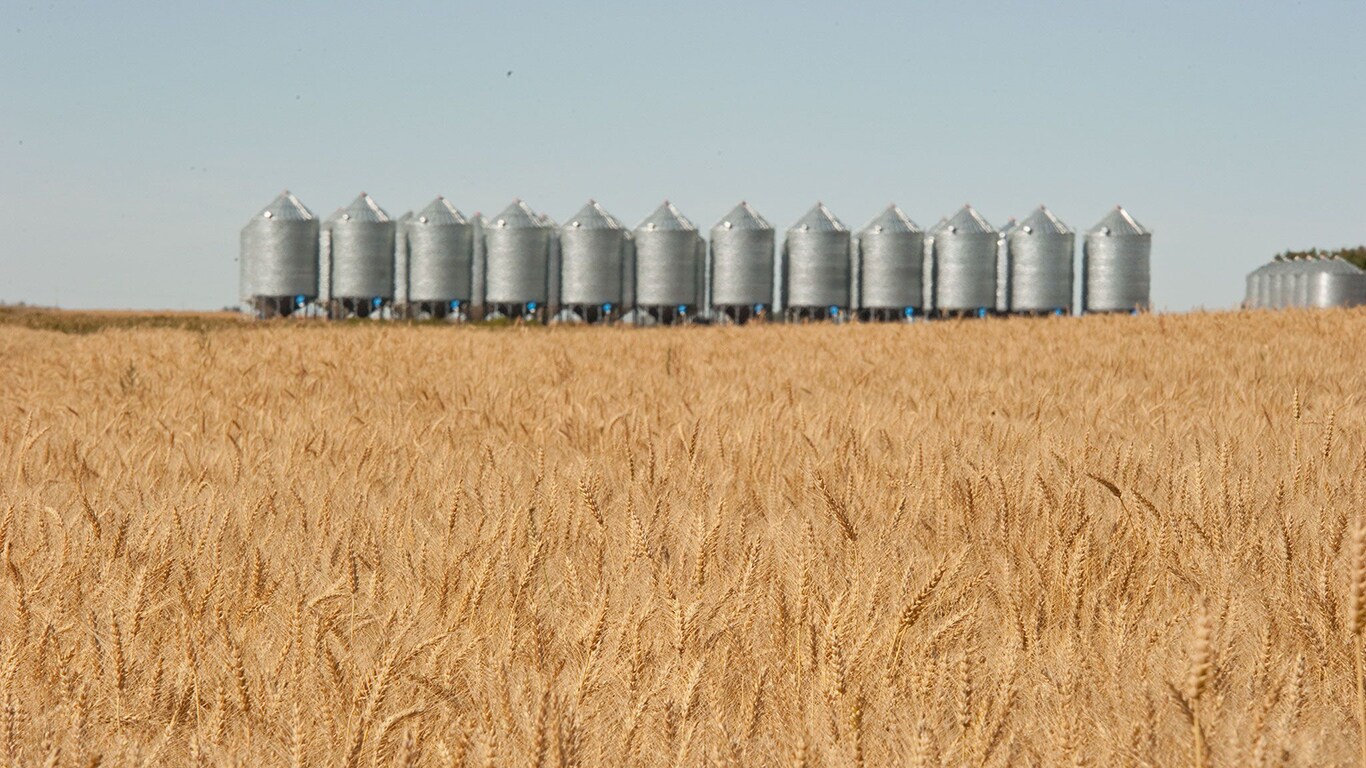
{"type": "Point", "coordinates": [518, 215]}
{"type": "Point", "coordinates": [362, 209]}
{"type": "Point", "coordinates": [1117, 223]}
{"type": "Point", "coordinates": [892, 219]}
{"type": "Point", "coordinates": [1041, 221]}
{"type": "Point", "coordinates": [593, 216]}
{"type": "Point", "coordinates": [285, 207]}
{"type": "Point", "coordinates": [668, 218]}
{"type": "Point", "coordinates": [743, 216]}
{"type": "Point", "coordinates": [441, 212]}
{"type": "Point", "coordinates": [818, 219]}
{"type": "Point", "coordinates": [967, 221]}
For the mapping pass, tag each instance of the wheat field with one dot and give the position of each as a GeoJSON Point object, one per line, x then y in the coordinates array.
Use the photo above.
{"type": "Point", "coordinates": [1100, 541]}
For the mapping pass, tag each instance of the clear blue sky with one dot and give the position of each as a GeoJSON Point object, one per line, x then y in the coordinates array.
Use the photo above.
{"type": "Point", "coordinates": [137, 138]}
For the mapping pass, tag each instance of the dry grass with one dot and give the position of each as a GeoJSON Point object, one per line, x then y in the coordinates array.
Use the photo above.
{"type": "Point", "coordinates": [1105, 541]}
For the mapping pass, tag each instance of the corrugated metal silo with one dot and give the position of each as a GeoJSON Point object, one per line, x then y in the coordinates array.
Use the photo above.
{"type": "Point", "coordinates": [1297, 285]}
{"type": "Point", "coordinates": [401, 263]}
{"type": "Point", "coordinates": [1336, 283]}
{"type": "Point", "coordinates": [517, 256]}
{"type": "Point", "coordinates": [740, 276]}
{"type": "Point", "coordinates": [816, 265]}
{"type": "Point", "coordinates": [1003, 265]}
{"type": "Point", "coordinates": [279, 257]}
{"type": "Point", "coordinates": [1115, 265]}
{"type": "Point", "coordinates": [1277, 283]}
{"type": "Point", "coordinates": [592, 259]}
{"type": "Point", "coordinates": [1258, 285]}
{"type": "Point", "coordinates": [890, 255]}
{"type": "Point", "coordinates": [440, 259]}
{"type": "Point", "coordinates": [1040, 249]}
{"type": "Point", "coordinates": [361, 257]}
{"type": "Point", "coordinates": [965, 264]}
{"type": "Point", "coordinates": [669, 261]}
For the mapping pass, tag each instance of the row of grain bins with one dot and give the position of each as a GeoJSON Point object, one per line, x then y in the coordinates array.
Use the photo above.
{"type": "Point", "coordinates": [520, 264]}
{"type": "Point", "coordinates": [1308, 282]}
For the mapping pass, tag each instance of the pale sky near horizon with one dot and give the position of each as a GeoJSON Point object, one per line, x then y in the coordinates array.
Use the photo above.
{"type": "Point", "coordinates": [137, 138]}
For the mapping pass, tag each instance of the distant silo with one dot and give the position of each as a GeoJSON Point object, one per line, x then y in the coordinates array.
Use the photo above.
{"type": "Point", "coordinates": [964, 254]}
{"type": "Point", "coordinates": [1115, 265]}
{"type": "Point", "coordinates": [437, 245]}
{"type": "Point", "coordinates": [1336, 283]}
{"type": "Point", "coordinates": [1252, 298]}
{"type": "Point", "coordinates": [740, 276]}
{"type": "Point", "coordinates": [361, 259]}
{"type": "Point", "coordinates": [889, 259]}
{"type": "Point", "coordinates": [1277, 283]}
{"type": "Point", "coordinates": [816, 262]}
{"type": "Point", "coordinates": [1039, 253]}
{"type": "Point", "coordinates": [517, 256]}
{"type": "Point", "coordinates": [279, 258]}
{"type": "Point", "coordinates": [1003, 265]}
{"type": "Point", "coordinates": [592, 262]}
{"type": "Point", "coordinates": [669, 260]}
{"type": "Point", "coordinates": [1300, 277]}
{"type": "Point", "coordinates": [477, 225]}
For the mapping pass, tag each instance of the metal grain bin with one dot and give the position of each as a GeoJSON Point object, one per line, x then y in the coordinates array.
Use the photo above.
{"type": "Point", "coordinates": [362, 258]}
{"type": "Point", "coordinates": [1003, 265]}
{"type": "Point", "coordinates": [1276, 282]}
{"type": "Point", "coordinates": [740, 275]}
{"type": "Point", "coordinates": [279, 257]}
{"type": "Point", "coordinates": [889, 262]}
{"type": "Point", "coordinates": [670, 257]}
{"type": "Point", "coordinates": [1039, 253]}
{"type": "Point", "coordinates": [517, 247]}
{"type": "Point", "coordinates": [592, 261]}
{"type": "Point", "coordinates": [964, 254]}
{"type": "Point", "coordinates": [1115, 265]}
{"type": "Point", "coordinates": [439, 253]}
{"type": "Point", "coordinates": [1258, 286]}
{"type": "Point", "coordinates": [1336, 283]}
{"type": "Point", "coordinates": [816, 265]}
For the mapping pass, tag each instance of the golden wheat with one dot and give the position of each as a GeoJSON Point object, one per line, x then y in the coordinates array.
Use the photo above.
{"type": "Point", "coordinates": [1064, 541]}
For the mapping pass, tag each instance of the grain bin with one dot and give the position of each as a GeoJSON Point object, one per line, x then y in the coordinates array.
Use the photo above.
{"type": "Point", "coordinates": [1039, 253]}
{"type": "Point", "coordinates": [437, 246]}
{"type": "Point", "coordinates": [517, 257]}
{"type": "Point", "coordinates": [889, 254]}
{"type": "Point", "coordinates": [592, 262]}
{"type": "Point", "coordinates": [1003, 265]}
{"type": "Point", "coordinates": [279, 258]}
{"type": "Point", "coordinates": [361, 259]}
{"type": "Point", "coordinates": [1258, 285]}
{"type": "Point", "coordinates": [1277, 287]}
{"type": "Point", "coordinates": [816, 266]}
{"type": "Point", "coordinates": [669, 259]}
{"type": "Point", "coordinates": [740, 275]}
{"type": "Point", "coordinates": [1115, 265]}
{"type": "Point", "coordinates": [1333, 282]}
{"type": "Point", "coordinates": [964, 260]}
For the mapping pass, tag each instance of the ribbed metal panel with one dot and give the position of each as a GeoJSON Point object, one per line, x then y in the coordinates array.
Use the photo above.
{"type": "Point", "coordinates": [965, 263]}
{"type": "Point", "coordinates": [517, 257]}
{"type": "Point", "coordinates": [668, 262]}
{"type": "Point", "coordinates": [1115, 264]}
{"type": "Point", "coordinates": [362, 251]}
{"type": "Point", "coordinates": [1336, 283]}
{"type": "Point", "coordinates": [279, 255]}
{"type": "Point", "coordinates": [816, 261]}
{"type": "Point", "coordinates": [891, 254]}
{"type": "Point", "coordinates": [592, 246]}
{"type": "Point", "coordinates": [742, 263]}
{"type": "Point", "coordinates": [477, 225]}
{"type": "Point", "coordinates": [1040, 249]}
{"type": "Point", "coordinates": [1258, 286]}
{"type": "Point", "coordinates": [440, 254]}
{"type": "Point", "coordinates": [1003, 265]}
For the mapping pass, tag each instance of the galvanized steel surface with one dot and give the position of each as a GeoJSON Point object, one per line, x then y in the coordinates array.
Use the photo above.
{"type": "Point", "coordinates": [1115, 265]}
{"type": "Point", "coordinates": [965, 263]}
{"type": "Point", "coordinates": [668, 260]}
{"type": "Point", "coordinates": [1336, 283]}
{"type": "Point", "coordinates": [279, 256]}
{"type": "Point", "coordinates": [592, 248]}
{"type": "Point", "coordinates": [816, 261]}
{"type": "Point", "coordinates": [1039, 253]}
{"type": "Point", "coordinates": [1003, 265]}
{"type": "Point", "coordinates": [890, 259]}
{"type": "Point", "coordinates": [362, 237]}
{"type": "Point", "coordinates": [742, 263]}
{"type": "Point", "coordinates": [517, 257]}
{"type": "Point", "coordinates": [440, 243]}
